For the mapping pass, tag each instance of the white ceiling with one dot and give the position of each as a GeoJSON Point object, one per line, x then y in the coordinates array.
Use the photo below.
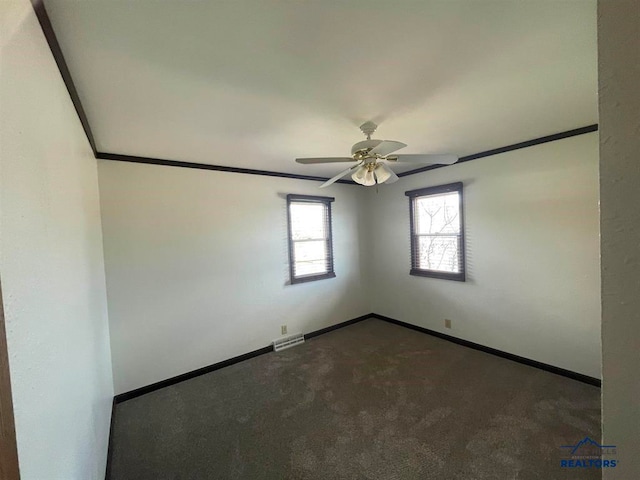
{"type": "Point", "coordinates": [256, 84]}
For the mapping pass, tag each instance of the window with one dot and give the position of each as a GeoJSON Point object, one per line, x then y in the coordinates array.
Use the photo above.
{"type": "Point", "coordinates": [310, 239]}
{"type": "Point", "coordinates": [437, 232]}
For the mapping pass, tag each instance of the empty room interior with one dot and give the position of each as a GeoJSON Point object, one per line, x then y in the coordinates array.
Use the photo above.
{"type": "Point", "coordinates": [352, 239]}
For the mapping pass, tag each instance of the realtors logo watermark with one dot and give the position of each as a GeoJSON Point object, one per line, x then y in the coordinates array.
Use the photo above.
{"type": "Point", "coordinates": [588, 453]}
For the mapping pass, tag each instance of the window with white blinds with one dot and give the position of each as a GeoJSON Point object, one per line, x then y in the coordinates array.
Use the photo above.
{"type": "Point", "coordinates": [437, 232]}
{"type": "Point", "coordinates": [310, 238]}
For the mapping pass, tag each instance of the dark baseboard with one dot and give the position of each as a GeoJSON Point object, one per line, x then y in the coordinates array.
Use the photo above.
{"type": "Point", "coordinates": [476, 346]}
{"type": "Point", "coordinates": [509, 356]}
{"type": "Point", "coordinates": [307, 336]}
{"type": "Point", "coordinates": [225, 363]}
{"type": "Point", "coordinates": [189, 375]}
{"type": "Point", "coordinates": [107, 474]}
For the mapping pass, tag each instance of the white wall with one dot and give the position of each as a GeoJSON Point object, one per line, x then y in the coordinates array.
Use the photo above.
{"type": "Point", "coordinates": [197, 261]}
{"type": "Point", "coordinates": [619, 74]}
{"type": "Point", "coordinates": [51, 263]}
{"type": "Point", "coordinates": [531, 223]}
{"type": "Point", "coordinates": [197, 267]}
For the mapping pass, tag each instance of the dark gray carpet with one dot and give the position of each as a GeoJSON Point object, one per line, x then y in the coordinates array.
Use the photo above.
{"type": "Point", "coordinates": [368, 401]}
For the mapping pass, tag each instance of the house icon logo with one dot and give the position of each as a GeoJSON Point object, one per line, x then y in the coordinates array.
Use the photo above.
{"type": "Point", "coordinates": [588, 453]}
{"type": "Point", "coordinates": [589, 447]}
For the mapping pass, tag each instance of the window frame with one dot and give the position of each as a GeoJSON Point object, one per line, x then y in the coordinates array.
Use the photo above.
{"type": "Point", "coordinates": [326, 202]}
{"type": "Point", "coordinates": [436, 190]}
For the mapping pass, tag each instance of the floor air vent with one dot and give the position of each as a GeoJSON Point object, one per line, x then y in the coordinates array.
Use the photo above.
{"type": "Point", "coordinates": [288, 341]}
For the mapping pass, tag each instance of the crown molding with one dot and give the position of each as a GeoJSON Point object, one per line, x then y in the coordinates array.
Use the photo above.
{"type": "Point", "coordinates": [52, 40]}
{"type": "Point", "coordinates": [509, 148]}
{"type": "Point", "coordinates": [205, 166]}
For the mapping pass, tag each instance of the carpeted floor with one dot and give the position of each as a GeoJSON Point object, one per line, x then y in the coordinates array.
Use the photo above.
{"type": "Point", "coordinates": [368, 401]}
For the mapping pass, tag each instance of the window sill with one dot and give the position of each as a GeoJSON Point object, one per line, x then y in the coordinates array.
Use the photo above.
{"type": "Point", "coordinates": [312, 278]}
{"type": "Point", "coordinates": [456, 277]}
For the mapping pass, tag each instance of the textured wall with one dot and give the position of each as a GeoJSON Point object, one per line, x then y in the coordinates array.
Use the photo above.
{"type": "Point", "coordinates": [197, 267]}
{"type": "Point", "coordinates": [533, 282]}
{"type": "Point", "coordinates": [619, 77]}
{"type": "Point", "coordinates": [51, 263]}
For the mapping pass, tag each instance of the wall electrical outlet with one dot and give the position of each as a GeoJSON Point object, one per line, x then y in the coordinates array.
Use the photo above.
{"type": "Point", "coordinates": [447, 323]}
{"type": "Point", "coordinates": [283, 329]}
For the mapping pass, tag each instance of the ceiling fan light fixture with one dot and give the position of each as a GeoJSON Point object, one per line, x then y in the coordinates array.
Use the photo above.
{"type": "Point", "coordinates": [370, 155]}
{"type": "Point", "coordinates": [369, 179]}
{"type": "Point", "coordinates": [358, 175]}
{"type": "Point", "coordinates": [381, 173]}
{"type": "Point", "coordinates": [364, 176]}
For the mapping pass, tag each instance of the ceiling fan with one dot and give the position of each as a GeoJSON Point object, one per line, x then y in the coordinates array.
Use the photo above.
{"type": "Point", "coordinates": [370, 156]}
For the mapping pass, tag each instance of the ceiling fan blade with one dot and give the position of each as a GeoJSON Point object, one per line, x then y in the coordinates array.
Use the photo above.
{"type": "Point", "coordinates": [340, 175]}
{"type": "Point", "coordinates": [443, 159]}
{"type": "Point", "coordinates": [325, 160]}
{"type": "Point", "coordinates": [387, 175]}
{"type": "Point", "coordinates": [386, 147]}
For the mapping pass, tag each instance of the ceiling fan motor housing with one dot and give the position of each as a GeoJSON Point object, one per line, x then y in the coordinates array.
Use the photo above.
{"type": "Point", "coordinates": [364, 146]}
